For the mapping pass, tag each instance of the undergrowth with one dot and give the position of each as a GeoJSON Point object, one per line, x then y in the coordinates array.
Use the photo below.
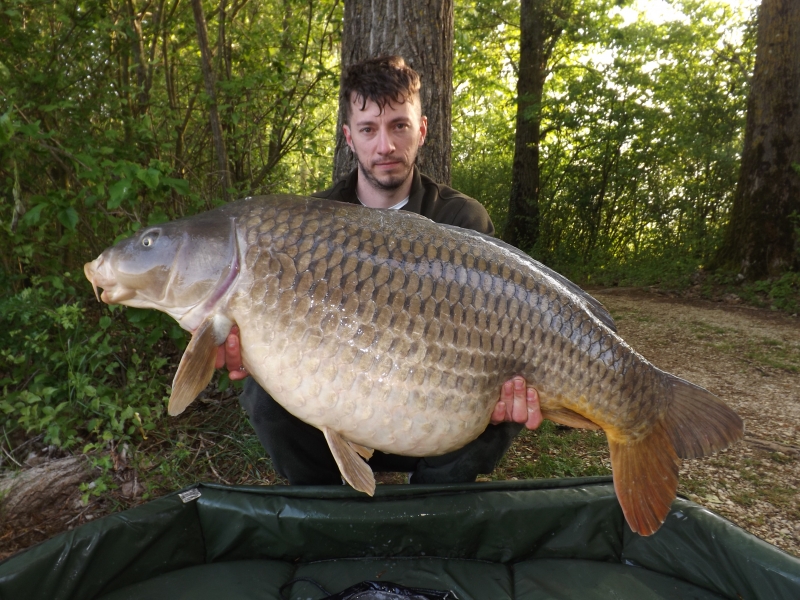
{"type": "Point", "coordinates": [78, 374]}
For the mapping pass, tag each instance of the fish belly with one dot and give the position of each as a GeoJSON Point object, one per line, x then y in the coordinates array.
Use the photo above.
{"type": "Point", "coordinates": [386, 401]}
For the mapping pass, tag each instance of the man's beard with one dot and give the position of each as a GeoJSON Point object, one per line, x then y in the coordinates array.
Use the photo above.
{"type": "Point", "coordinates": [392, 184]}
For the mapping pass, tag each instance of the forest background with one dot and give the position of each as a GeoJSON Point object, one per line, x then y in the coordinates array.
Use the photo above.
{"type": "Point", "coordinates": [105, 128]}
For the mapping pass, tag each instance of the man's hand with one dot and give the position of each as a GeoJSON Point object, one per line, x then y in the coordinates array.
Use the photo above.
{"type": "Point", "coordinates": [229, 355]}
{"type": "Point", "coordinates": [518, 403]}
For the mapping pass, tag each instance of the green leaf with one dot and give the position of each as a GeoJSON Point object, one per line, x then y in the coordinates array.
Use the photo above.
{"type": "Point", "coordinates": [179, 185]}
{"type": "Point", "coordinates": [117, 193]}
{"type": "Point", "coordinates": [157, 217]}
{"type": "Point", "coordinates": [150, 177]}
{"type": "Point", "coordinates": [105, 321]}
{"type": "Point", "coordinates": [68, 218]}
{"type": "Point", "coordinates": [32, 216]}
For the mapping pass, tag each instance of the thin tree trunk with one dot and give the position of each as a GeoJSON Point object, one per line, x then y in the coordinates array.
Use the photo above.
{"type": "Point", "coordinates": [223, 174]}
{"type": "Point", "coordinates": [762, 237]}
{"type": "Point", "coordinates": [421, 31]}
{"type": "Point", "coordinates": [139, 60]}
{"type": "Point", "coordinates": [541, 24]}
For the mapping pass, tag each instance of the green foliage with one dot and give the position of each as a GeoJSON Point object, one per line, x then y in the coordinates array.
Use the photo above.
{"type": "Point", "coordinates": [104, 129]}
{"type": "Point", "coordinates": [782, 293]}
{"type": "Point", "coordinates": [486, 51]}
{"type": "Point", "coordinates": [104, 121]}
{"type": "Point", "coordinates": [642, 126]}
{"type": "Point", "coordinates": [78, 377]}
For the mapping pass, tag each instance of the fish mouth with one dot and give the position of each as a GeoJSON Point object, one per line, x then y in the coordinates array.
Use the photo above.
{"type": "Point", "coordinates": [100, 275]}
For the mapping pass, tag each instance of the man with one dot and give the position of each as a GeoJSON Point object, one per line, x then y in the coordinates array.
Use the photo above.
{"type": "Point", "coordinates": [385, 129]}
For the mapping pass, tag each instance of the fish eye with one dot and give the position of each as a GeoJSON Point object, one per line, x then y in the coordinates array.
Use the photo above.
{"type": "Point", "coordinates": [150, 239]}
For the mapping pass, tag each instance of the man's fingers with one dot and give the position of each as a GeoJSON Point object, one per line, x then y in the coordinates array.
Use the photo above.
{"type": "Point", "coordinates": [519, 407]}
{"type": "Point", "coordinates": [233, 357]}
{"type": "Point", "coordinates": [229, 355]}
{"type": "Point", "coordinates": [533, 409]}
{"type": "Point", "coordinates": [499, 414]}
{"type": "Point", "coordinates": [238, 374]}
{"type": "Point", "coordinates": [220, 360]}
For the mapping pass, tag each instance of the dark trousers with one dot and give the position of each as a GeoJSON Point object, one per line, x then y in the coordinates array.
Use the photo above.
{"type": "Point", "coordinates": [300, 453]}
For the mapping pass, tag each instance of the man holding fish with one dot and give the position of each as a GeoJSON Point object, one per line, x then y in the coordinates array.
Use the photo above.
{"type": "Point", "coordinates": [390, 332]}
{"type": "Point", "coordinates": [385, 129]}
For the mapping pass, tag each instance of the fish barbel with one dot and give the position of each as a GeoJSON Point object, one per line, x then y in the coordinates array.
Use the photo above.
{"type": "Point", "coordinates": [388, 331]}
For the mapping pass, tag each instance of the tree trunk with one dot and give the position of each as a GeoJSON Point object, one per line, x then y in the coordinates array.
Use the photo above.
{"type": "Point", "coordinates": [35, 489]}
{"type": "Point", "coordinates": [541, 24]}
{"type": "Point", "coordinates": [223, 175]}
{"type": "Point", "coordinates": [762, 236]}
{"type": "Point", "coordinates": [421, 31]}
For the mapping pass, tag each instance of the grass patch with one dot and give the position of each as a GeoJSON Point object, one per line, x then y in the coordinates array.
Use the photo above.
{"type": "Point", "coordinates": [775, 354]}
{"type": "Point", "coordinates": [778, 496]}
{"type": "Point", "coordinates": [745, 499]}
{"type": "Point", "coordinates": [693, 487]}
{"type": "Point", "coordinates": [553, 451]}
{"type": "Point", "coordinates": [704, 331]}
{"type": "Point", "coordinates": [780, 457]}
{"type": "Point", "coordinates": [214, 441]}
{"type": "Point", "coordinates": [766, 352]}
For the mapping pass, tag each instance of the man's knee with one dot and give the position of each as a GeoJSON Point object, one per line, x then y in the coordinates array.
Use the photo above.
{"type": "Point", "coordinates": [298, 450]}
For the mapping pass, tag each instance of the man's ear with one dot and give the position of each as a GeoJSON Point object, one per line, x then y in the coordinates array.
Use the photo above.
{"type": "Point", "coordinates": [423, 129]}
{"type": "Point", "coordinates": [347, 137]}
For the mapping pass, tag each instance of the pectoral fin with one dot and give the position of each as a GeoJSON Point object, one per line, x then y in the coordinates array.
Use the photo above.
{"type": "Point", "coordinates": [353, 468]}
{"type": "Point", "coordinates": [196, 368]}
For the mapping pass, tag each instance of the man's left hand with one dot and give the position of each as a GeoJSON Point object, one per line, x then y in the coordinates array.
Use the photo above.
{"type": "Point", "coordinates": [518, 403]}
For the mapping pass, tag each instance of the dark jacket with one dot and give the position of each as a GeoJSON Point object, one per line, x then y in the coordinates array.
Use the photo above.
{"type": "Point", "coordinates": [427, 198]}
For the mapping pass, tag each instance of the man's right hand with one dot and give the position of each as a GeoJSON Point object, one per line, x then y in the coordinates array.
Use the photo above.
{"type": "Point", "coordinates": [229, 355]}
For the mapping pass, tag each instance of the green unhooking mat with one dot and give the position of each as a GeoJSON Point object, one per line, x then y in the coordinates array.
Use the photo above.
{"type": "Point", "coordinates": [531, 540]}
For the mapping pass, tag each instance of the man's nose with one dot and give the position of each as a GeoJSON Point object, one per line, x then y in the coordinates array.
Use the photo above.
{"type": "Point", "coordinates": [385, 142]}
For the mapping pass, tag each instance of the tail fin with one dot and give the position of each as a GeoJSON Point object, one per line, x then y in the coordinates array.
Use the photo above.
{"type": "Point", "coordinates": [645, 479]}
{"type": "Point", "coordinates": [696, 423]}
{"type": "Point", "coordinates": [699, 423]}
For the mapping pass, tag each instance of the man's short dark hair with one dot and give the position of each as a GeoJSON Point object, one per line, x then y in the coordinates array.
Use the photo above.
{"type": "Point", "coordinates": [385, 79]}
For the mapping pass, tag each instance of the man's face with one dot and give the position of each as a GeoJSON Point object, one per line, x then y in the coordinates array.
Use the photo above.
{"type": "Point", "coordinates": [386, 142]}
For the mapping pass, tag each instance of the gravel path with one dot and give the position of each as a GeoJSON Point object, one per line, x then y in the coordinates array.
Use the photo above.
{"type": "Point", "coordinates": [751, 359]}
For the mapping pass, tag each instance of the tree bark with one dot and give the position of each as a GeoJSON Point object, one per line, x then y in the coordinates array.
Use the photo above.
{"type": "Point", "coordinates": [223, 174]}
{"type": "Point", "coordinates": [35, 489]}
{"type": "Point", "coordinates": [421, 31]}
{"type": "Point", "coordinates": [541, 24]}
{"type": "Point", "coordinates": [762, 236]}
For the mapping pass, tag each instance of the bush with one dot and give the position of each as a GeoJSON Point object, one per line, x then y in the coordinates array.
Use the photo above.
{"type": "Point", "coordinates": [80, 375]}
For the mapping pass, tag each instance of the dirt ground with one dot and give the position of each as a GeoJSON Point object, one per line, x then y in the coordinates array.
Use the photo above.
{"type": "Point", "coordinates": [749, 357]}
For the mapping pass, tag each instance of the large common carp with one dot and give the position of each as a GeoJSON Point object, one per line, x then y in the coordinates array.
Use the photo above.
{"type": "Point", "coordinates": [388, 331]}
